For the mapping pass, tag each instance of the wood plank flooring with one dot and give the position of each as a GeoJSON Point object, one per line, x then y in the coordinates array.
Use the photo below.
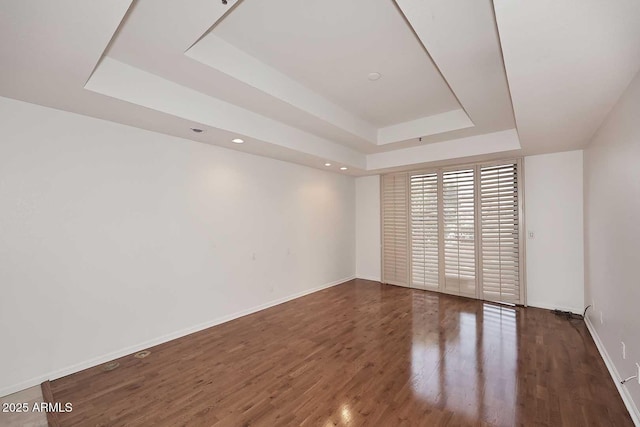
{"type": "Point", "coordinates": [360, 353]}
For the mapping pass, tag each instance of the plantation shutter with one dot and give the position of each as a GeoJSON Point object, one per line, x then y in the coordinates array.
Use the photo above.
{"type": "Point", "coordinates": [458, 194]}
{"type": "Point", "coordinates": [395, 229]}
{"type": "Point", "coordinates": [456, 231]}
{"type": "Point", "coordinates": [500, 228]}
{"type": "Point", "coordinates": [424, 231]}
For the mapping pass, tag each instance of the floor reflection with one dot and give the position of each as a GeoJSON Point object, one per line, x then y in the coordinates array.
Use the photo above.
{"type": "Point", "coordinates": [361, 354]}
{"type": "Point", "coordinates": [464, 361]}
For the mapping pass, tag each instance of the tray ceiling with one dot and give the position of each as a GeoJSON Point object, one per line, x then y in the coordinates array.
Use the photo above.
{"type": "Point", "coordinates": [291, 77]}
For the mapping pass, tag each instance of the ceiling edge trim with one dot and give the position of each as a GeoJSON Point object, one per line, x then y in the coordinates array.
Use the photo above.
{"type": "Point", "coordinates": [119, 80]}
{"type": "Point", "coordinates": [489, 143]}
{"type": "Point", "coordinates": [425, 126]}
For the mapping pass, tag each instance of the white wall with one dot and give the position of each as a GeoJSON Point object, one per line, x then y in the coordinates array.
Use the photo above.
{"type": "Point", "coordinates": [368, 228]}
{"type": "Point", "coordinates": [612, 229]}
{"type": "Point", "coordinates": [554, 214]}
{"type": "Point", "coordinates": [114, 238]}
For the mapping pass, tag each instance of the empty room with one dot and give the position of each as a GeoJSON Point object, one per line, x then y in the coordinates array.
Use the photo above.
{"type": "Point", "coordinates": [320, 213]}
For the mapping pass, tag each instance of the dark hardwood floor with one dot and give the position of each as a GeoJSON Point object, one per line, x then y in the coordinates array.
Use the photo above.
{"type": "Point", "coordinates": [360, 353]}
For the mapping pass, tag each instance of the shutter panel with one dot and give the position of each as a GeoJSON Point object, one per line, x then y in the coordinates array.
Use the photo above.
{"type": "Point", "coordinates": [424, 231]}
{"type": "Point", "coordinates": [395, 225]}
{"type": "Point", "coordinates": [458, 197]}
{"type": "Point", "coordinates": [455, 231]}
{"type": "Point", "coordinates": [500, 230]}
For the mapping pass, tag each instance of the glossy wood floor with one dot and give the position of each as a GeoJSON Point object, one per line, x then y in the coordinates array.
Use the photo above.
{"type": "Point", "coordinates": [360, 353]}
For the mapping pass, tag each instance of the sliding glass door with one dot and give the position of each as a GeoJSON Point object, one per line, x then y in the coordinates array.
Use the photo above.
{"type": "Point", "coordinates": [425, 248]}
{"type": "Point", "coordinates": [458, 222]}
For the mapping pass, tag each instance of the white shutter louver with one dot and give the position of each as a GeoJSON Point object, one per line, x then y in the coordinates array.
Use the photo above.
{"type": "Point", "coordinates": [424, 231]}
{"type": "Point", "coordinates": [395, 229]}
{"type": "Point", "coordinates": [500, 233]}
{"type": "Point", "coordinates": [458, 197]}
{"type": "Point", "coordinates": [456, 231]}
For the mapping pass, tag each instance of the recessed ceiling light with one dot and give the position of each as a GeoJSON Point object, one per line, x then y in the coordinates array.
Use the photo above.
{"type": "Point", "coordinates": [344, 168]}
{"type": "Point", "coordinates": [196, 130]}
{"type": "Point", "coordinates": [374, 76]}
{"type": "Point", "coordinates": [327, 164]}
{"type": "Point", "coordinates": [237, 140]}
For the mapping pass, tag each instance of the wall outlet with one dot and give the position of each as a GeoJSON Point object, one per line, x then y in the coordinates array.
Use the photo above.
{"type": "Point", "coordinates": [624, 350]}
{"type": "Point", "coordinates": [531, 235]}
{"type": "Point", "coordinates": [593, 305]}
{"type": "Point", "coordinates": [638, 372]}
{"type": "Point", "coordinates": [601, 319]}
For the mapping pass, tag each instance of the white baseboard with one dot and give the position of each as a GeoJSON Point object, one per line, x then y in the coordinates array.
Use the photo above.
{"type": "Point", "coordinates": [373, 279]}
{"type": "Point", "coordinates": [624, 393]}
{"type": "Point", "coordinates": [59, 373]}
{"type": "Point", "coordinates": [14, 388]}
{"type": "Point", "coordinates": [551, 306]}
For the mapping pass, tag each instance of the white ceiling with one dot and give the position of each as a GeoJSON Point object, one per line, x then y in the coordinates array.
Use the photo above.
{"type": "Point", "coordinates": [292, 79]}
{"type": "Point", "coordinates": [568, 62]}
{"type": "Point", "coordinates": [331, 46]}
